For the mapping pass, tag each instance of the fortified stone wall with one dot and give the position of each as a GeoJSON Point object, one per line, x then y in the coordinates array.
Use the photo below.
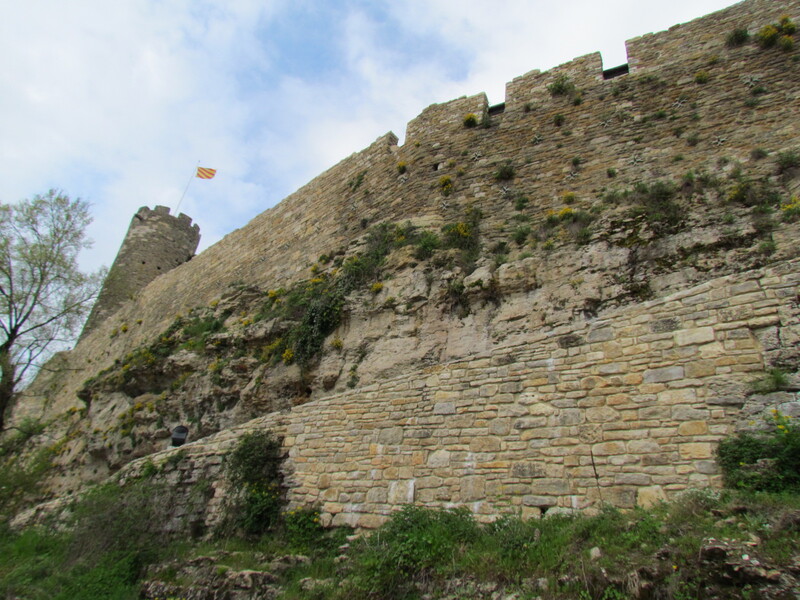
{"type": "Point", "coordinates": [617, 124]}
{"type": "Point", "coordinates": [156, 242]}
{"type": "Point", "coordinates": [621, 403]}
{"type": "Point", "coordinates": [625, 410]}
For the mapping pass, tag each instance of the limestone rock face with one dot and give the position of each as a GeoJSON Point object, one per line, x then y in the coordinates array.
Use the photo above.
{"type": "Point", "coordinates": [564, 307]}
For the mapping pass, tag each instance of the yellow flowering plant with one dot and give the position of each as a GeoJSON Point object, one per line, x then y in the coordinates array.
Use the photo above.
{"type": "Point", "coordinates": [766, 460]}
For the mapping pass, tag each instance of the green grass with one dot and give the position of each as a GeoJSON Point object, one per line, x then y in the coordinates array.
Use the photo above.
{"type": "Point", "coordinates": [418, 551]}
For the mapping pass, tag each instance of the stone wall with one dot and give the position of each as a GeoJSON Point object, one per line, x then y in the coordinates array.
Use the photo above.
{"type": "Point", "coordinates": [617, 125]}
{"type": "Point", "coordinates": [624, 410]}
{"type": "Point", "coordinates": [558, 406]}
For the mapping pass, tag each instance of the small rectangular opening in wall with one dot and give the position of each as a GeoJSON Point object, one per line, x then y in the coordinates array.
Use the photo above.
{"type": "Point", "coordinates": [616, 71]}
{"type": "Point", "coordinates": [497, 109]}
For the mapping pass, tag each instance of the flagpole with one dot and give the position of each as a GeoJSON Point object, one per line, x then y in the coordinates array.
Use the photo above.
{"type": "Point", "coordinates": [188, 183]}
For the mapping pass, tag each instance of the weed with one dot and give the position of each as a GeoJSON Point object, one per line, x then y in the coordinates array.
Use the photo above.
{"type": "Point", "coordinates": [768, 36]}
{"type": "Point", "coordinates": [754, 193]}
{"type": "Point", "coordinates": [197, 331]}
{"type": "Point", "coordinates": [562, 86]}
{"type": "Point", "coordinates": [790, 211]}
{"type": "Point", "coordinates": [655, 202]}
{"type": "Point", "coordinates": [465, 236]}
{"type": "Point", "coordinates": [302, 527]}
{"type": "Point", "coordinates": [255, 479]}
{"type": "Point", "coordinates": [583, 236]}
{"type": "Point", "coordinates": [427, 243]}
{"type": "Point", "coordinates": [767, 248]}
{"type": "Point", "coordinates": [504, 173]}
{"type": "Point", "coordinates": [470, 120]}
{"type": "Point", "coordinates": [738, 37]}
{"type": "Point", "coordinates": [521, 234]}
{"type": "Point", "coordinates": [500, 248]}
{"type": "Point", "coordinates": [702, 77]}
{"type": "Point", "coordinates": [559, 120]}
{"type": "Point", "coordinates": [356, 181]}
{"type": "Point", "coordinates": [446, 185]}
{"type": "Point", "coordinates": [774, 380]}
{"type": "Point", "coordinates": [763, 462]}
{"type": "Point", "coordinates": [788, 160]}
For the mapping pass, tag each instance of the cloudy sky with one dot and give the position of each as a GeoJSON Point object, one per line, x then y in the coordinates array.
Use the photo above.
{"type": "Point", "coordinates": [116, 101]}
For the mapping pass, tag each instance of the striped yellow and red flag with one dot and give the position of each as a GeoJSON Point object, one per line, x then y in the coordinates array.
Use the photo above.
{"type": "Point", "coordinates": [204, 173]}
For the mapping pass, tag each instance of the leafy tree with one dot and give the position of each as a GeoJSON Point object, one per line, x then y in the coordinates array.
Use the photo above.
{"type": "Point", "coordinates": [43, 294]}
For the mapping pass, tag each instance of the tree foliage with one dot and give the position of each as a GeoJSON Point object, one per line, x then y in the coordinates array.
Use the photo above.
{"type": "Point", "coordinates": [44, 296]}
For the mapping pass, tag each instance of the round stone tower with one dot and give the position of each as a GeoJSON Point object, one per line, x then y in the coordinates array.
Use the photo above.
{"type": "Point", "coordinates": [156, 242]}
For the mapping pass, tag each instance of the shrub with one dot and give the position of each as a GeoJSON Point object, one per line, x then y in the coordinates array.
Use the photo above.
{"type": "Point", "coordinates": [520, 202]}
{"type": "Point", "coordinates": [788, 160]}
{"type": "Point", "coordinates": [463, 235]}
{"type": "Point", "coordinates": [427, 243]}
{"type": "Point", "coordinates": [376, 287]}
{"type": "Point", "coordinates": [562, 86]}
{"type": "Point", "coordinates": [197, 331]}
{"type": "Point", "coordinates": [611, 173]}
{"type": "Point", "coordinates": [415, 541]}
{"type": "Point", "coordinates": [768, 36]}
{"type": "Point", "coordinates": [255, 478]}
{"type": "Point", "coordinates": [470, 120]}
{"type": "Point", "coordinates": [446, 184]}
{"type": "Point", "coordinates": [500, 248]}
{"type": "Point", "coordinates": [504, 173]}
{"type": "Point", "coordinates": [656, 203]}
{"type": "Point", "coordinates": [303, 527]}
{"type": "Point", "coordinates": [702, 77]}
{"type": "Point", "coordinates": [583, 236]}
{"type": "Point", "coordinates": [754, 193]}
{"type": "Point", "coordinates": [764, 461]}
{"type": "Point", "coordinates": [459, 235]}
{"type": "Point", "coordinates": [790, 212]}
{"type": "Point", "coordinates": [787, 26]}
{"type": "Point", "coordinates": [559, 120]}
{"type": "Point", "coordinates": [777, 34]}
{"type": "Point", "coordinates": [737, 37]}
{"type": "Point", "coordinates": [402, 167]}
{"type": "Point", "coordinates": [521, 234]}
{"type": "Point", "coordinates": [774, 380]}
